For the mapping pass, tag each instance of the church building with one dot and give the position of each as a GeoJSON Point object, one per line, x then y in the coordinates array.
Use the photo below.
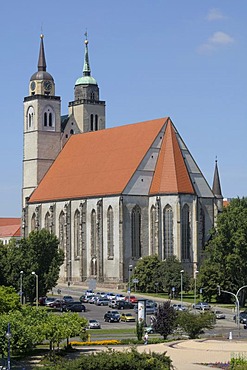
{"type": "Point", "coordinates": [111, 195]}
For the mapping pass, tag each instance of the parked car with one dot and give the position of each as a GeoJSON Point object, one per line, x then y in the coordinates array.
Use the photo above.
{"type": "Point", "coordinates": [131, 298]}
{"type": "Point", "coordinates": [92, 299]}
{"type": "Point", "coordinates": [93, 324]}
{"type": "Point", "coordinates": [57, 304]}
{"type": "Point", "coordinates": [112, 303]}
{"type": "Point", "coordinates": [68, 298]}
{"type": "Point", "coordinates": [75, 307]}
{"type": "Point", "coordinates": [110, 296]}
{"type": "Point", "coordinates": [242, 317]}
{"type": "Point", "coordinates": [89, 292]}
{"type": "Point", "coordinates": [149, 330]}
{"type": "Point", "coordinates": [112, 316]}
{"type": "Point", "coordinates": [102, 302]}
{"type": "Point", "coordinates": [84, 299]}
{"type": "Point", "coordinates": [119, 297]}
{"type": "Point", "coordinates": [179, 307]}
{"type": "Point", "coordinates": [127, 317]}
{"type": "Point", "coordinates": [201, 306]}
{"type": "Point", "coordinates": [42, 301]}
{"type": "Point", "coordinates": [49, 300]}
{"type": "Point", "coordinates": [219, 315]}
{"type": "Point", "coordinates": [124, 305]}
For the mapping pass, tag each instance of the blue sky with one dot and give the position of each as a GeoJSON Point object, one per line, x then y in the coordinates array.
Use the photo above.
{"type": "Point", "coordinates": [151, 59]}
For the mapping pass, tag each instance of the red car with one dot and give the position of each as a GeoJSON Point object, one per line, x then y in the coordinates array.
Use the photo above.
{"type": "Point", "coordinates": [132, 299]}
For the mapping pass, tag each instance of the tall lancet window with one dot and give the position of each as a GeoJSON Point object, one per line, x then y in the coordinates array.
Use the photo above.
{"type": "Point", "coordinates": [168, 231]}
{"type": "Point", "coordinates": [110, 230]}
{"type": "Point", "coordinates": [77, 234]}
{"type": "Point", "coordinates": [93, 244]}
{"type": "Point", "coordinates": [136, 232]}
{"type": "Point", "coordinates": [33, 222]}
{"type": "Point", "coordinates": [152, 230]}
{"type": "Point", "coordinates": [185, 233]}
{"type": "Point", "coordinates": [47, 219]}
{"type": "Point", "coordinates": [61, 230]}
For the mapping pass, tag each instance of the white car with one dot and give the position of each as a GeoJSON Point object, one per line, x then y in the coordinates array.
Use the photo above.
{"type": "Point", "coordinates": [93, 324]}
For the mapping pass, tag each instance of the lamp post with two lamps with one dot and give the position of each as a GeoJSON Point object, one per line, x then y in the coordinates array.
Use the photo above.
{"type": "Point", "coordinates": [129, 271]}
{"type": "Point", "coordinates": [195, 292]}
{"type": "Point", "coordinates": [37, 288]}
{"type": "Point", "coordinates": [21, 289]}
{"type": "Point", "coordinates": [181, 292]}
{"type": "Point", "coordinates": [8, 337]}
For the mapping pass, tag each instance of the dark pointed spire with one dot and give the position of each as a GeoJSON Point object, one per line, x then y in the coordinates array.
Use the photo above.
{"type": "Point", "coordinates": [216, 183]}
{"type": "Point", "coordinates": [41, 61]}
{"type": "Point", "coordinates": [86, 67]}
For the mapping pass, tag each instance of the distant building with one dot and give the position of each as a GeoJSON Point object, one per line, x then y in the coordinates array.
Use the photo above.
{"type": "Point", "coordinates": [111, 195]}
{"type": "Point", "coordinates": [10, 228]}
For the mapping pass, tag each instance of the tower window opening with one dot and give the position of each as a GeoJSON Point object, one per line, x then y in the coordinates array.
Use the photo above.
{"type": "Point", "coordinates": [91, 122]}
{"type": "Point", "coordinates": [92, 96]}
{"type": "Point", "coordinates": [71, 132]}
{"type": "Point", "coordinates": [45, 119]}
{"type": "Point", "coordinates": [96, 122]}
{"type": "Point", "coordinates": [50, 119]}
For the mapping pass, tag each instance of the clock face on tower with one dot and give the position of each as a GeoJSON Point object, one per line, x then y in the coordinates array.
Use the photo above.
{"type": "Point", "coordinates": [47, 85]}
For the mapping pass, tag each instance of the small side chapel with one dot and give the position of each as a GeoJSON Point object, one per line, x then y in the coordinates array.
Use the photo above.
{"type": "Point", "coordinates": [112, 196]}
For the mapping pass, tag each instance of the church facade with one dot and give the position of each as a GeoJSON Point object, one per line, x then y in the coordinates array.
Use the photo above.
{"type": "Point", "coordinates": [112, 196]}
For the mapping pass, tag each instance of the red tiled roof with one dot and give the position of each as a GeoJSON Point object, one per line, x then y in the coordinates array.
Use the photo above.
{"type": "Point", "coordinates": [98, 163]}
{"type": "Point", "coordinates": [171, 175]}
{"type": "Point", "coordinates": [10, 227]}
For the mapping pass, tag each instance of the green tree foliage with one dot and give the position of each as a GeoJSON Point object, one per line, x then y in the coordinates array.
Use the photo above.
{"type": "Point", "coordinates": [30, 326]}
{"type": "Point", "coordinates": [127, 360]}
{"type": "Point", "coordinates": [226, 253]}
{"type": "Point", "coordinates": [170, 275]}
{"type": "Point", "coordinates": [165, 321]}
{"type": "Point", "coordinates": [9, 299]}
{"type": "Point", "coordinates": [155, 275]}
{"type": "Point", "coordinates": [146, 271]}
{"type": "Point", "coordinates": [39, 252]}
{"type": "Point", "coordinates": [193, 324]}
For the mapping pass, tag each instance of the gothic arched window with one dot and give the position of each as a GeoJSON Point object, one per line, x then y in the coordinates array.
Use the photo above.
{"type": "Point", "coordinates": [30, 117]}
{"type": "Point", "coordinates": [152, 230]}
{"type": "Point", "coordinates": [61, 230]}
{"type": "Point", "coordinates": [33, 222]}
{"type": "Point", "coordinates": [77, 234]}
{"type": "Point", "coordinates": [110, 228]}
{"type": "Point", "coordinates": [136, 232]}
{"type": "Point", "coordinates": [49, 118]}
{"type": "Point", "coordinates": [96, 122]}
{"type": "Point", "coordinates": [93, 233]}
{"type": "Point", "coordinates": [185, 233]}
{"type": "Point", "coordinates": [47, 218]}
{"type": "Point", "coordinates": [91, 122]}
{"type": "Point", "coordinates": [168, 231]}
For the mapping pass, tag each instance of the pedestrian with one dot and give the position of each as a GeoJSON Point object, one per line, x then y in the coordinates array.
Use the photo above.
{"type": "Point", "coordinates": [146, 338]}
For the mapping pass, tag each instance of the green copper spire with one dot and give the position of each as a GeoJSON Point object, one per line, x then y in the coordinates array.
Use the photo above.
{"type": "Point", "coordinates": [86, 79]}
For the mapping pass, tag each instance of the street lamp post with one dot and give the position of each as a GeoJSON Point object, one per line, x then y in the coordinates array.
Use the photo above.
{"type": "Point", "coordinates": [8, 336]}
{"type": "Point", "coordinates": [196, 272]}
{"type": "Point", "coordinates": [237, 304]}
{"type": "Point", "coordinates": [37, 288]}
{"type": "Point", "coordinates": [129, 270]}
{"type": "Point", "coordinates": [21, 290]}
{"type": "Point", "coordinates": [181, 293]}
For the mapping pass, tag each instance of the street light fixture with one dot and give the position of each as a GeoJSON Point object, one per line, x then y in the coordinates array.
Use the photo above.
{"type": "Point", "coordinates": [37, 288]}
{"type": "Point", "coordinates": [129, 271]}
{"type": "Point", "coordinates": [21, 290]}
{"type": "Point", "coordinates": [181, 292]}
{"type": "Point", "coordinates": [8, 337]}
{"type": "Point", "coordinates": [196, 272]}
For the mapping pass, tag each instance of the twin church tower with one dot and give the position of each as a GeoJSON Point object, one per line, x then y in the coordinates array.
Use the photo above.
{"type": "Point", "coordinates": [45, 130]}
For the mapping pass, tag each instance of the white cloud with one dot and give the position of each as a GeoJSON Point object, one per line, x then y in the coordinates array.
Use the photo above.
{"type": "Point", "coordinates": [215, 15]}
{"type": "Point", "coordinates": [217, 40]}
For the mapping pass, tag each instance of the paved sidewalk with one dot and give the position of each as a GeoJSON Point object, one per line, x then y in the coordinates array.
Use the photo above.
{"type": "Point", "coordinates": [191, 354]}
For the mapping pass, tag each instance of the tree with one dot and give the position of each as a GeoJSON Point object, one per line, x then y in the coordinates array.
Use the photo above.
{"type": "Point", "coordinates": [165, 321]}
{"type": "Point", "coordinates": [226, 253]}
{"type": "Point", "coordinates": [193, 324]}
{"type": "Point", "coordinates": [9, 299]}
{"type": "Point", "coordinates": [170, 275]}
{"type": "Point", "coordinates": [147, 272]}
{"type": "Point", "coordinates": [39, 252]}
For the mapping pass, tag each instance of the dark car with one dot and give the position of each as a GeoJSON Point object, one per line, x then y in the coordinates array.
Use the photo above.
{"type": "Point", "coordinates": [68, 298]}
{"type": "Point", "coordinates": [112, 316]}
{"type": "Point", "coordinates": [75, 307]}
{"type": "Point", "coordinates": [59, 304]}
{"type": "Point", "coordinates": [124, 305]}
{"type": "Point", "coordinates": [242, 317]}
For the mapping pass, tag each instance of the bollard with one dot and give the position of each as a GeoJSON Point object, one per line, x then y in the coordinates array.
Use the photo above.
{"type": "Point", "coordinates": [230, 335]}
